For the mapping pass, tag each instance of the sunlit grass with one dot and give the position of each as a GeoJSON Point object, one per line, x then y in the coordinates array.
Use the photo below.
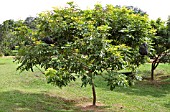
{"type": "Point", "coordinates": [29, 92]}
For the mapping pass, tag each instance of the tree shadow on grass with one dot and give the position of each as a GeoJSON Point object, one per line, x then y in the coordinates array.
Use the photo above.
{"type": "Point", "coordinates": [154, 89]}
{"type": "Point", "coordinates": [158, 90]}
{"type": "Point", "coordinates": [167, 105]}
{"type": "Point", "coordinates": [19, 101]}
{"type": "Point", "coordinates": [143, 88]}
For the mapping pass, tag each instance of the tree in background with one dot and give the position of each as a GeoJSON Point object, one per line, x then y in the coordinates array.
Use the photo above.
{"type": "Point", "coordinates": [9, 31]}
{"type": "Point", "coordinates": [7, 37]}
{"type": "Point", "coordinates": [137, 10]}
{"type": "Point", "coordinates": [1, 38]}
{"type": "Point", "coordinates": [161, 44]}
{"type": "Point", "coordinates": [71, 43]}
{"type": "Point", "coordinates": [30, 22]}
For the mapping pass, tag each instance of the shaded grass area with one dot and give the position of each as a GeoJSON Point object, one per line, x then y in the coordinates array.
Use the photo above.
{"type": "Point", "coordinates": [144, 96]}
{"type": "Point", "coordinates": [23, 101]}
{"type": "Point", "coordinates": [29, 92]}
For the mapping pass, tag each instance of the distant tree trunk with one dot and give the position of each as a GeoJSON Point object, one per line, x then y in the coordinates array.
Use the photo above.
{"type": "Point", "coordinates": [152, 71]}
{"type": "Point", "coordinates": [155, 63]}
{"type": "Point", "coordinates": [94, 93]}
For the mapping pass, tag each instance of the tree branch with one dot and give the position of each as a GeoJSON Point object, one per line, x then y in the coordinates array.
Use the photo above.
{"type": "Point", "coordinates": [39, 69]}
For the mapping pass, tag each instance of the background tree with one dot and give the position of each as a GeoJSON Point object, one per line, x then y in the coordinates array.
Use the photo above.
{"type": "Point", "coordinates": [30, 22]}
{"type": "Point", "coordinates": [1, 38]}
{"type": "Point", "coordinates": [86, 44]}
{"type": "Point", "coordinates": [137, 10]}
{"type": "Point", "coordinates": [161, 44]}
{"type": "Point", "coordinates": [10, 30]}
{"type": "Point", "coordinates": [7, 37]}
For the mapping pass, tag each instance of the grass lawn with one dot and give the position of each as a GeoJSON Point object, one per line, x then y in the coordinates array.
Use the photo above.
{"type": "Point", "coordinates": [29, 92]}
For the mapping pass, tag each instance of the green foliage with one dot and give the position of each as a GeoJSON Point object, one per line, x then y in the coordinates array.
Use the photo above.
{"type": "Point", "coordinates": [161, 44]}
{"type": "Point", "coordinates": [6, 37]}
{"type": "Point", "coordinates": [87, 43]}
{"type": "Point", "coordinates": [58, 77]}
{"type": "Point", "coordinates": [114, 79]}
{"type": "Point", "coordinates": [15, 33]}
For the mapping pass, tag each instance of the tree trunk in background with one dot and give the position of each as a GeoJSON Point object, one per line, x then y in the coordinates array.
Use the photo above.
{"type": "Point", "coordinates": [155, 63]}
{"type": "Point", "coordinates": [152, 71]}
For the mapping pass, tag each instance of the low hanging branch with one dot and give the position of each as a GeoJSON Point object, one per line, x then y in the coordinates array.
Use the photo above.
{"type": "Point", "coordinates": [39, 69]}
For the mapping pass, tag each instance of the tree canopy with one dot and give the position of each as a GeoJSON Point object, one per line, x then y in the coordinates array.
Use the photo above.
{"type": "Point", "coordinates": [71, 43]}
{"type": "Point", "coordinates": [161, 44]}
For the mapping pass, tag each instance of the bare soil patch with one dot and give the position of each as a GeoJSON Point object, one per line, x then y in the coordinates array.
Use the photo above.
{"type": "Point", "coordinates": [87, 106]}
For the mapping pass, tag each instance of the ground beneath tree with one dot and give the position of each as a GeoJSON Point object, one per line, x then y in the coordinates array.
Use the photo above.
{"type": "Point", "coordinates": [89, 107]}
{"type": "Point", "coordinates": [159, 80]}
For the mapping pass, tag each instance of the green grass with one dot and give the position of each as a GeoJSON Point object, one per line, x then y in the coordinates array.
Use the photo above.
{"type": "Point", "coordinates": [29, 92]}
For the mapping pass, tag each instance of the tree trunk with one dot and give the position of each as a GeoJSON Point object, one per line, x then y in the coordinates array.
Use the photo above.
{"type": "Point", "coordinates": [94, 94]}
{"type": "Point", "coordinates": [152, 71]}
{"type": "Point", "coordinates": [155, 63]}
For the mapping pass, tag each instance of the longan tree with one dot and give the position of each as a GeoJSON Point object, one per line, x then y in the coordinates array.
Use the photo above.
{"type": "Point", "coordinates": [161, 44]}
{"type": "Point", "coordinates": [85, 44]}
